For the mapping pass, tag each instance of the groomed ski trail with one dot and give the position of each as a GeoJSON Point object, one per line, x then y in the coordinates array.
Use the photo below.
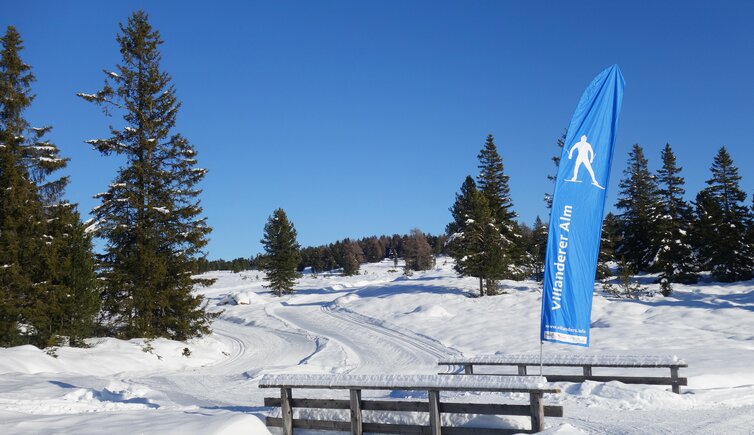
{"type": "Point", "coordinates": [370, 345]}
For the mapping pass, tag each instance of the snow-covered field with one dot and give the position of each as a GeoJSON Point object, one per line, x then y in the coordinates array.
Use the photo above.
{"type": "Point", "coordinates": [383, 322]}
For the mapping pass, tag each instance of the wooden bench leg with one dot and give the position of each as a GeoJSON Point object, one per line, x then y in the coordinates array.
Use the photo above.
{"type": "Point", "coordinates": [522, 370]}
{"type": "Point", "coordinates": [356, 420]}
{"type": "Point", "coordinates": [286, 409]}
{"type": "Point", "coordinates": [674, 377]}
{"type": "Point", "coordinates": [468, 369]}
{"type": "Point", "coordinates": [434, 412]}
{"type": "Point", "coordinates": [537, 412]}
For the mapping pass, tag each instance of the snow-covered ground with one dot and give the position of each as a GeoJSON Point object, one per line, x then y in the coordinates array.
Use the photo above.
{"type": "Point", "coordinates": [383, 322]}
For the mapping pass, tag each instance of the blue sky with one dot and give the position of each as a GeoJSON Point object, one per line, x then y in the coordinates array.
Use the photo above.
{"type": "Point", "coordinates": [363, 118]}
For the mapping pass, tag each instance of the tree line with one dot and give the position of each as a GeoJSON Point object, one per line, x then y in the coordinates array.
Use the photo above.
{"type": "Point", "coordinates": [655, 230]}
{"type": "Point", "coordinates": [53, 288]}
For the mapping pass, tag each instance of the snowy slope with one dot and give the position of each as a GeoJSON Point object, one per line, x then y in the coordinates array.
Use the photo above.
{"type": "Point", "coordinates": [381, 322]}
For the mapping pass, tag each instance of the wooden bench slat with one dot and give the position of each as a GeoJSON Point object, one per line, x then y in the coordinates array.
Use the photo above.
{"type": "Point", "coordinates": [406, 406]}
{"type": "Point", "coordinates": [391, 428]}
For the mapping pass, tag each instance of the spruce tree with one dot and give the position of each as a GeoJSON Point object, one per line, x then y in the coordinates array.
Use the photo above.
{"type": "Point", "coordinates": [556, 161]}
{"type": "Point", "coordinates": [610, 238]}
{"type": "Point", "coordinates": [48, 287]}
{"type": "Point", "coordinates": [150, 214]}
{"type": "Point", "coordinates": [282, 253]}
{"type": "Point", "coordinates": [493, 184]}
{"type": "Point", "coordinates": [21, 218]}
{"type": "Point", "coordinates": [674, 256]}
{"type": "Point", "coordinates": [723, 222]}
{"type": "Point", "coordinates": [539, 247]}
{"type": "Point", "coordinates": [638, 202]}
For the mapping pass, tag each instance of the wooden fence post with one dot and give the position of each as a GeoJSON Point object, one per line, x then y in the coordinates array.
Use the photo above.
{"type": "Point", "coordinates": [537, 412]}
{"type": "Point", "coordinates": [434, 412]}
{"type": "Point", "coordinates": [286, 409]}
{"type": "Point", "coordinates": [468, 369]}
{"type": "Point", "coordinates": [674, 377]}
{"type": "Point", "coordinates": [356, 420]}
{"type": "Point", "coordinates": [522, 369]}
{"type": "Point", "coordinates": [587, 371]}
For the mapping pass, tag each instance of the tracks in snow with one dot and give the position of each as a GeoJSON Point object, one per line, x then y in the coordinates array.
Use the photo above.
{"type": "Point", "coordinates": [369, 345]}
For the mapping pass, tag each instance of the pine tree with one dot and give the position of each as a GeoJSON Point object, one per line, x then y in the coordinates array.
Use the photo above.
{"type": "Point", "coordinates": [150, 214]}
{"type": "Point", "coordinates": [674, 256]}
{"type": "Point", "coordinates": [609, 239]}
{"type": "Point", "coordinates": [47, 283]}
{"type": "Point", "coordinates": [639, 204]}
{"type": "Point", "coordinates": [282, 252]}
{"type": "Point", "coordinates": [493, 184]}
{"type": "Point", "coordinates": [723, 222]}
{"type": "Point", "coordinates": [21, 219]}
{"type": "Point", "coordinates": [461, 207]}
{"type": "Point", "coordinates": [539, 247]}
{"type": "Point", "coordinates": [417, 252]}
{"type": "Point", "coordinates": [556, 161]}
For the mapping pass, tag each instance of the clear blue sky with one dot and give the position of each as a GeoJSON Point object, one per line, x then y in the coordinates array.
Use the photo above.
{"type": "Point", "coordinates": [363, 118]}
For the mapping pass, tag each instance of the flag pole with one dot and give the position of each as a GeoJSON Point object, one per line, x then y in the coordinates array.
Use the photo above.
{"type": "Point", "coordinates": [541, 345]}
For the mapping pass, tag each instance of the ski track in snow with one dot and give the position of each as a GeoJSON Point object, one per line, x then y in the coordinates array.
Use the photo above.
{"type": "Point", "coordinates": [369, 345]}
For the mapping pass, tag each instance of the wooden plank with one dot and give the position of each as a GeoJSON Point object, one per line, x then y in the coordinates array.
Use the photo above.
{"type": "Point", "coordinates": [344, 426]}
{"type": "Point", "coordinates": [356, 420]}
{"type": "Point", "coordinates": [434, 412]}
{"type": "Point", "coordinates": [648, 380]}
{"type": "Point", "coordinates": [287, 410]}
{"type": "Point", "coordinates": [556, 364]}
{"type": "Point", "coordinates": [624, 379]}
{"type": "Point", "coordinates": [406, 406]}
{"type": "Point", "coordinates": [537, 412]}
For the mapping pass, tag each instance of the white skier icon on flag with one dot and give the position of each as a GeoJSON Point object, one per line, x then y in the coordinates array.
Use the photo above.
{"type": "Point", "coordinates": [585, 157]}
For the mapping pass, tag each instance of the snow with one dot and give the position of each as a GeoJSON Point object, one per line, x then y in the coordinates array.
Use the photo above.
{"type": "Point", "coordinates": [381, 323]}
{"type": "Point", "coordinates": [402, 382]}
{"type": "Point", "coordinates": [569, 359]}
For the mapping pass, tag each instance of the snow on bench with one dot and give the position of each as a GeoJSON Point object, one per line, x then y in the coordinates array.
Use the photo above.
{"type": "Point", "coordinates": [433, 384]}
{"type": "Point", "coordinates": [586, 362]}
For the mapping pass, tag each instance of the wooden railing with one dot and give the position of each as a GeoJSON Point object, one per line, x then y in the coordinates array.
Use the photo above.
{"type": "Point", "coordinates": [432, 384]}
{"type": "Point", "coordinates": [585, 362]}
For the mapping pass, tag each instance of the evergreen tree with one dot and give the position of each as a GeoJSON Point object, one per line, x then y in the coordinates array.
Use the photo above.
{"type": "Point", "coordinates": [638, 202]}
{"type": "Point", "coordinates": [556, 161]}
{"type": "Point", "coordinates": [282, 251]}
{"type": "Point", "coordinates": [723, 221]}
{"type": "Point", "coordinates": [150, 214]}
{"type": "Point", "coordinates": [417, 252]}
{"type": "Point", "coordinates": [609, 239]}
{"type": "Point", "coordinates": [674, 256]}
{"type": "Point", "coordinates": [493, 184]}
{"type": "Point", "coordinates": [350, 257]}
{"type": "Point", "coordinates": [478, 247]}
{"type": "Point", "coordinates": [47, 285]}
{"type": "Point", "coordinates": [539, 247]}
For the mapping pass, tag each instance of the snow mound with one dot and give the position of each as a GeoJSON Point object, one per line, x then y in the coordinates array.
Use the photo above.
{"type": "Point", "coordinates": [434, 311]}
{"type": "Point", "coordinates": [245, 298]}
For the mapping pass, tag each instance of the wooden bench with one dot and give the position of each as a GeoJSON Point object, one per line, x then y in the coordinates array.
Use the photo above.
{"type": "Point", "coordinates": [585, 362]}
{"type": "Point", "coordinates": [432, 384]}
